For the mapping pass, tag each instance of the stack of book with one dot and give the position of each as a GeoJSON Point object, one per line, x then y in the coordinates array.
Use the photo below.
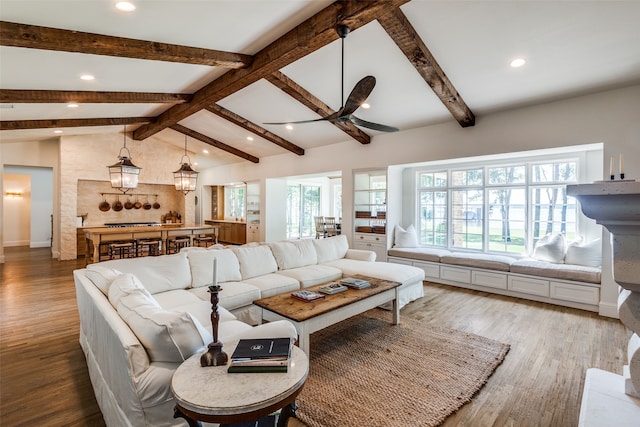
{"type": "Point", "coordinates": [307, 295]}
{"type": "Point", "coordinates": [332, 288]}
{"type": "Point", "coordinates": [354, 283]}
{"type": "Point", "coordinates": [261, 355]}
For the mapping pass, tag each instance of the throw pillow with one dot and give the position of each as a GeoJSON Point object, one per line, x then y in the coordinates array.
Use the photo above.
{"type": "Point", "coordinates": [167, 336]}
{"type": "Point", "coordinates": [550, 248]}
{"type": "Point", "coordinates": [587, 254]}
{"type": "Point", "coordinates": [406, 238]}
{"type": "Point", "coordinates": [101, 276]}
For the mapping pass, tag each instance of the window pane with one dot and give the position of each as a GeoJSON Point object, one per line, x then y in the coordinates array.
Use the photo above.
{"type": "Point", "coordinates": [507, 175]}
{"type": "Point", "coordinates": [433, 218]}
{"type": "Point", "coordinates": [466, 219]}
{"type": "Point", "coordinates": [507, 210]}
{"type": "Point", "coordinates": [554, 172]}
{"type": "Point", "coordinates": [467, 177]}
{"type": "Point", "coordinates": [433, 179]}
{"type": "Point", "coordinates": [552, 211]}
{"type": "Point", "coordinates": [293, 211]}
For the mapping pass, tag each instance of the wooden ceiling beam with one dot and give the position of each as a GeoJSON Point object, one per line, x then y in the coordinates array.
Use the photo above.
{"type": "Point", "coordinates": [70, 123]}
{"type": "Point", "coordinates": [306, 98]}
{"type": "Point", "coordinates": [214, 143]}
{"type": "Point", "coordinates": [88, 97]}
{"type": "Point", "coordinates": [406, 37]}
{"type": "Point", "coordinates": [36, 37]}
{"type": "Point", "coordinates": [254, 128]}
{"type": "Point", "coordinates": [307, 37]}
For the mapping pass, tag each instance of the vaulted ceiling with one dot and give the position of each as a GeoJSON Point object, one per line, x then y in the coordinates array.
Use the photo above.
{"type": "Point", "coordinates": [217, 71]}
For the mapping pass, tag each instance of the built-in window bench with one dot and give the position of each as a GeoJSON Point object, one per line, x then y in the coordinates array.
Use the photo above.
{"type": "Point", "coordinates": [568, 285]}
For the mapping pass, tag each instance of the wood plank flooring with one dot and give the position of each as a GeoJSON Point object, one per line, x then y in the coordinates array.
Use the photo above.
{"type": "Point", "coordinates": [44, 379]}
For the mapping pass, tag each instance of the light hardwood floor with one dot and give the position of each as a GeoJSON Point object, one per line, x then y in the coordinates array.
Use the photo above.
{"type": "Point", "coordinates": [44, 379]}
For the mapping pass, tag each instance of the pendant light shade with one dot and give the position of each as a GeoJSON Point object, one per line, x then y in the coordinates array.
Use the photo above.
{"type": "Point", "coordinates": [185, 178]}
{"type": "Point", "coordinates": [124, 174]}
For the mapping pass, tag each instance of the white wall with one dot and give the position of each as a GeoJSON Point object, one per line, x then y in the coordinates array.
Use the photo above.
{"type": "Point", "coordinates": [43, 154]}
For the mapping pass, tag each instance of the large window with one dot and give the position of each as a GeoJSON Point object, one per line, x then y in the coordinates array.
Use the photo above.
{"type": "Point", "coordinates": [496, 208]}
{"type": "Point", "coordinates": [303, 203]}
{"type": "Point", "coordinates": [234, 201]}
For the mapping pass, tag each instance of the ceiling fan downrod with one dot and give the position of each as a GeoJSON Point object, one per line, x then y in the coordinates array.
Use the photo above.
{"type": "Point", "coordinates": [342, 31]}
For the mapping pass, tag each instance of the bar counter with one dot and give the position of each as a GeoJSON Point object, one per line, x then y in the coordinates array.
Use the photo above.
{"type": "Point", "coordinates": [96, 235]}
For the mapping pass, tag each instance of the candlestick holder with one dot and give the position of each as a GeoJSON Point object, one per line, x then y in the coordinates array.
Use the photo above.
{"type": "Point", "coordinates": [214, 355]}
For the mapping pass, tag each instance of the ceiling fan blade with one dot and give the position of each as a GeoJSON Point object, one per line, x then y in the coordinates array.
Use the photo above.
{"type": "Point", "coordinates": [358, 95]}
{"type": "Point", "coordinates": [375, 126]}
{"type": "Point", "coordinates": [330, 117]}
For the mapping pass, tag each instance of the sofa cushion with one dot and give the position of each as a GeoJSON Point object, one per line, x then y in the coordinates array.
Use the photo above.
{"type": "Point", "coordinates": [255, 260]}
{"type": "Point", "coordinates": [294, 253]}
{"type": "Point", "coordinates": [477, 260]}
{"type": "Point", "coordinates": [274, 284]}
{"type": "Point", "coordinates": [157, 274]}
{"type": "Point", "coordinates": [405, 238]}
{"type": "Point", "coordinates": [172, 299]}
{"type": "Point", "coordinates": [168, 336]}
{"type": "Point", "coordinates": [422, 254]}
{"type": "Point", "coordinates": [331, 248]}
{"type": "Point", "coordinates": [101, 276]}
{"type": "Point", "coordinates": [233, 294]}
{"type": "Point", "coordinates": [312, 275]}
{"type": "Point", "coordinates": [404, 274]}
{"type": "Point", "coordinates": [550, 248]}
{"type": "Point", "coordinates": [589, 254]}
{"type": "Point", "coordinates": [579, 273]}
{"type": "Point", "coordinates": [201, 263]}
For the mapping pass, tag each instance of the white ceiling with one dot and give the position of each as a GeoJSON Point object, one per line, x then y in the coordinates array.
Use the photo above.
{"type": "Point", "coordinates": [571, 48]}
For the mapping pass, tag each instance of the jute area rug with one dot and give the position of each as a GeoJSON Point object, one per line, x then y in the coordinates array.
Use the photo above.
{"type": "Point", "coordinates": [366, 372]}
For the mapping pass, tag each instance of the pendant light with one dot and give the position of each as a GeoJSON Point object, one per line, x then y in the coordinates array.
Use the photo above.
{"type": "Point", "coordinates": [124, 174]}
{"type": "Point", "coordinates": [185, 178]}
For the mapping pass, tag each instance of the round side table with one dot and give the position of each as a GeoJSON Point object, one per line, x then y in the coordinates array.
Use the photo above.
{"type": "Point", "coordinates": [211, 394]}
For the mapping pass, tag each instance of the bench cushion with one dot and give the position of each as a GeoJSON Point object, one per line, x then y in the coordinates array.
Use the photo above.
{"type": "Point", "coordinates": [491, 262]}
{"type": "Point", "coordinates": [422, 254]}
{"type": "Point", "coordinates": [579, 273]}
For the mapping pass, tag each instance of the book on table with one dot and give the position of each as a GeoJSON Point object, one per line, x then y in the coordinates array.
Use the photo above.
{"type": "Point", "coordinates": [352, 282]}
{"type": "Point", "coordinates": [307, 295]}
{"type": "Point", "coordinates": [332, 288]}
{"type": "Point", "coordinates": [261, 355]}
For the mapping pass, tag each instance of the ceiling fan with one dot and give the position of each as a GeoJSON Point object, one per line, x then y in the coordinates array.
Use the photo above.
{"type": "Point", "coordinates": [356, 98]}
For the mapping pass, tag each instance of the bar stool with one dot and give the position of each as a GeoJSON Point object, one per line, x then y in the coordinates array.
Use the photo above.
{"type": "Point", "coordinates": [203, 240]}
{"type": "Point", "coordinates": [122, 249]}
{"type": "Point", "coordinates": [149, 247]}
{"type": "Point", "coordinates": [175, 243]}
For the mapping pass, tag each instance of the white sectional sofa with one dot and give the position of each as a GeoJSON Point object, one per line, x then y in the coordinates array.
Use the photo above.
{"type": "Point", "coordinates": [141, 317]}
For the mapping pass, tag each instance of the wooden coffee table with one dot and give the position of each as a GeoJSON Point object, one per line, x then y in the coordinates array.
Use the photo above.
{"type": "Point", "coordinates": [310, 317]}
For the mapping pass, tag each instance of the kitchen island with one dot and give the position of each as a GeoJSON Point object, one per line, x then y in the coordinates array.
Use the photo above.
{"type": "Point", "coordinates": [94, 236]}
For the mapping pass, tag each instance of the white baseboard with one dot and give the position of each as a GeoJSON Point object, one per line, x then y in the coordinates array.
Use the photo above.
{"type": "Point", "coordinates": [42, 244]}
{"type": "Point", "coordinates": [608, 309]}
{"type": "Point", "coordinates": [10, 244]}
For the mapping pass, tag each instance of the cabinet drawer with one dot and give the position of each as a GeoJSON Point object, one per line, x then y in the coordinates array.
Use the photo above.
{"type": "Point", "coordinates": [489, 279]}
{"type": "Point", "coordinates": [529, 286]}
{"type": "Point", "coordinates": [575, 293]}
{"type": "Point", "coordinates": [456, 274]}
{"type": "Point", "coordinates": [430, 270]}
{"type": "Point", "coordinates": [370, 238]}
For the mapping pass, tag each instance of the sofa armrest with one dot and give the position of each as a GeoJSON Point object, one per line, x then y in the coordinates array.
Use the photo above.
{"type": "Point", "coordinates": [360, 255]}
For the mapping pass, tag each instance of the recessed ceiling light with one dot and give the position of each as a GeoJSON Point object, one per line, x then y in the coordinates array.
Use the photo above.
{"type": "Point", "coordinates": [249, 138]}
{"type": "Point", "coordinates": [205, 151]}
{"type": "Point", "coordinates": [87, 77]}
{"type": "Point", "coordinates": [518, 62]}
{"type": "Point", "coordinates": [57, 131]}
{"type": "Point", "coordinates": [365, 106]}
{"type": "Point", "coordinates": [289, 127]}
{"type": "Point", "coordinates": [72, 105]}
{"type": "Point", "coordinates": [125, 6]}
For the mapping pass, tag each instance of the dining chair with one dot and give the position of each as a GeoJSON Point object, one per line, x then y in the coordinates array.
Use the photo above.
{"type": "Point", "coordinates": [330, 227]}
{"type": "Point", "coordinates": [320, 230]}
